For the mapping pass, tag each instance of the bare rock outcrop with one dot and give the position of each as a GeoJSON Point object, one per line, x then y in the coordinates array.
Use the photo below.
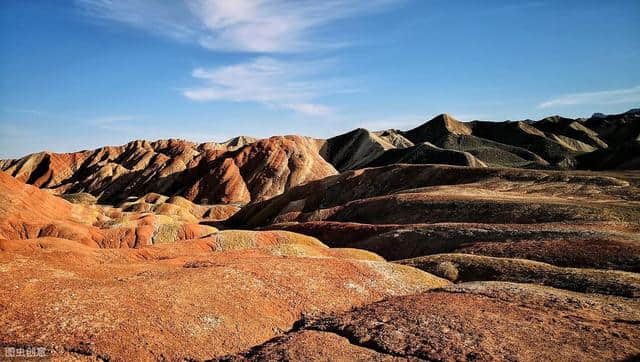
{"type": "Point", "coordinates": [238, 171]}
{"type": "Point", "coordinates": [468, 322]}
{"type": "Point", "coordinates": [196, 299]}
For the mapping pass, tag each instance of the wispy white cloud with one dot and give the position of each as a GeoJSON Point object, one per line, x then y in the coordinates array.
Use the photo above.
{"type": "Point", "coordinates": [616, 96]}
{"type": "Point", "coordinates": [267, 81]}
{"type": "Point", "coordinates": [250, 26]}
{"type": "Point", "coordinates": [32, 112]}
{"type": "Point", "coordinates": [272, 26]}
{"type": "Point", "coordinates": [166, 18]}
{"type": "Point", "coordinates": [114, 123]}
{"type": "Point", "coordinates": [309, 108]}
{"type": "Point", "coordinates": [233, 25]}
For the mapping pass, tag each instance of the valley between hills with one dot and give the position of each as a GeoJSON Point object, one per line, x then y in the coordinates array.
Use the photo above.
{"type": "Point", "coordinates": [515, 240]}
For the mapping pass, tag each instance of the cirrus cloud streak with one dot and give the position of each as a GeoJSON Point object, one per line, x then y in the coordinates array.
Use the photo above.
{"type": "Point", "coordinates": [616, 96]}
{"type": "Point", "coordinates": [263, 26]}
{"type": "Point", "coordinates": [268, 81]}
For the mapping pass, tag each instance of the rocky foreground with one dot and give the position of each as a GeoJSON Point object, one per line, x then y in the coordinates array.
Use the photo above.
{"type": "Point", "coordinates": [392, 245]}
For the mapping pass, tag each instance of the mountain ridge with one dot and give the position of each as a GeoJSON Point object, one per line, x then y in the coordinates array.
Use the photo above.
{"type": "Point", "coordinates": [275, 249]}
{"type": "Point", "coordinates": [227, 172]}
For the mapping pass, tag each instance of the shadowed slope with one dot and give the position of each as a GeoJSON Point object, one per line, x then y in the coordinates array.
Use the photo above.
{"type": "Point", "coordinates": [242, 169]}
{"type": "Point", "coordinates": [465, 267]}
{"type": "Point", "coordinates": [426, 153]}
{"type": "Point", "coordinates": [553, 142]}
{"type": "Point", "coordinates": [569, 219]}
{"type": "Point", "coordinates": [430, 193]}
{"type": "Point", "coordinates": [355, 149]}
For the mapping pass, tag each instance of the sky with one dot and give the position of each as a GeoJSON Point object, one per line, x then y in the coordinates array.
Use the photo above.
{"type": "Point", "coordinates": [80, 74]}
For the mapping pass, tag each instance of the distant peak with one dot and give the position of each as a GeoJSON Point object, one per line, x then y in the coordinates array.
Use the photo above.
{"type": "Point", "coordinates": [451, 124]}
{"type": "Point", "coordinates": [439, 126]}
{"type": "Point", "coordinates": [445, 117]}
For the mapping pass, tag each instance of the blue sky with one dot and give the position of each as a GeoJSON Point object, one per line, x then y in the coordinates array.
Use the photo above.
{"type": "Point", "coordinates": [78, 74]}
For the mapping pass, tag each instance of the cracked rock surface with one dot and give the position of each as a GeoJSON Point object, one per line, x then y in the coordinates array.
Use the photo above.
{"type": "Point", "coordinates": [473, 321]}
